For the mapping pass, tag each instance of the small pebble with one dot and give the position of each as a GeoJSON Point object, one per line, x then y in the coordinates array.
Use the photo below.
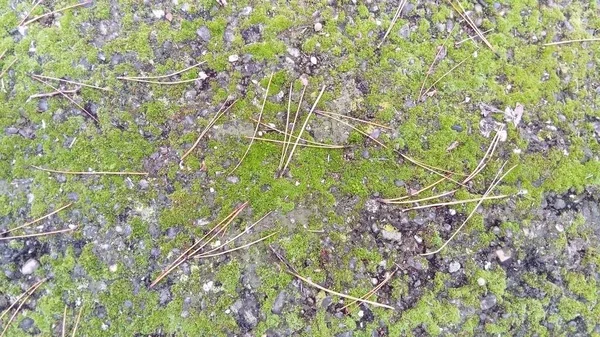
{"type": "Point", "coordinates": [158, 13]}
{"type": "Point", "coordinates": [233, 58]}
{"type": "Point", "coordinates": [29, 267]}
{"type": "Point", "coordinates": [502, 256]}
{"type": "Point", "coordinates": [560, 204]}
{"type": "Point", "coordinates": [318, 27]}
{"type": "Point", "coordinates": [481, 281]}
{"type": "Point", "coordinates": [313, 60]}
{"type": "Point", "coordinates": [488, 302]}
{"type": "Point", "coordinates": [454, 267]}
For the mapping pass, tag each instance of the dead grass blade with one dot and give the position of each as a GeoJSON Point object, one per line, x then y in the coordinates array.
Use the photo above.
{"type": "Point", "coordinates": [594, 39]}
{"type": "Point", "coordinates": [161, 76]}
{"type": "Point", "coordinates": [486, 158]}
{"type": "Point", "coordinates": [158, 82]}
{"type": "Point", "coordinates": [456, 44]}
{"type": "Point", "coordinates": [461, 11]}
{"type": "Point", "coordinates": [25, 296]}
{"type": "Point", "coordinates": [67, 97]}
{"type": "Point", "coordinates": [398, 202]}
{"type": "Point", "coordinates": [302, 129]}
{"type": "Point", "coordinates": [464, 201]}
{"type": "Point", "coordinates": [290, 136]}
{"type": "Point", "coordinates": [442, 77]}
{"type": "Point", "coordinates": [50, 94]}
{"type": "Point", "coordinates": [222, 225]}
{"type": "Point", "coordinates": [55, 12]}
{"type": "Point", "coordinates": [38, 219]}
{"type": "Point", "coordinates": [29, 13]}
{"type": "Point", "coordinates": [71, 82]}
{"type": "Point", "coordinates": [493, 185]}
{"type": "Point", "coordinates": [212, 122]}
{"type": "Point", "coordinates": [14, 237]}
{"type": "Point", "coordinates": [6, 69]}
{"type": "Point", "coordinates": [401, 5]}
{"type": "Point", "coordinates": [432, 185]}
{"type": "Point", "coordinates": [124, 173]}
{"type": "Point", "coordinates": [311, 144]}
{"type": "Point", "coordinates": [64, 322]}
{"type": "Point", "coordinates": [257, 126]}
{"type": "Point", "coordinates": [35, 285]}
{"type": "Point", "coordinates": [2, 54]}
{"type": "Point", "coordinates": [202, 256]}
{"type": "Point", "coordinates": [285, 135]}
{"type": "Point", "coordinates": [435, 59]}
{"type": "Point", "coordinates": [372, 291]}
{"type": "Point", "coordinates": [77, 321]}
{"type": "Point", "coordinates": [354, 119]}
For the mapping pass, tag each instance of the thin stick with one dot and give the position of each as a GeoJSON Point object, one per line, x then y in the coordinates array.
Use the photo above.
{"type": "Point", "coordinates": [125, 173]}
{"type": "Point", "coordinates": [493, 197]}
{"type": "Point", "coordinates": [54, 93]}
{"type": "Point", "coordinates": [77, 321]}
{"type": "Point", "coordinates": [20, 297]}
{"type": "Point", "coordinates": [161, 76]}
{"type": "Point", "coordinates": [332, 292]}
{"type": "Point", "coordinates": [482, 163]}
{"type": "Point", "coordinates": [257, 125]}
{"type": "Point", "coordinates": [38, 234]}
{"type": "Point", "coordinates": [8, 68]}
{"type": "Point", "coordinates": [67, 97]}
{"type": "Point", "coordinates": [456, 44]}
{"type": "Point", "coordinates": [290, 136]}
{"type": "Point", "coordinates": [437, 55]}
{"type": "Point", "coordinates": [203, 256]}
{"type": "Point", "coordinates": [218, 115]}
{"type": "Point", "coordinates": [395, 202]}
{"type": "Point", "coordinates": [237, 236]}
{"type": "Point", "coordinates": [29, 13]}
{"type": "Point", "coordinates": [28, 293]}
{"type": "Point", "coordinates": [64, 322]}
{"type": "Point", "coordinates": [294, 123]}
{"type": "Point", "coordinates": [442, 77]}
{"type": "Point", "coordinates": [2, 54]}
{"type": "Point", "coordinates": [71, 82]}
{"type": "Point", "coordinates": [158, 82]}
{"type": "Point", "coordinates": [594, 39]}
{"type": "Point", "coordinates": [183, 257]}
{"type": "Point", "coordinates": [326, 146]}
{"type": "Point", "coordinates": [302, 129]}
{"type": "Point", "coordinates": [285, 135]}
{"type": "Point", "coordinates": [464, 15]}
{"type": "Point", "coordinates": [394, 19]}
{"type": "Point", "coordinates": [372, 291]}
{"type": "Point", "coordinates": [38, 219]}
{"type": "Point", "coordinates": [55, 12]}
{"type": "Point", "coordinates": [355, 119]}
{"type": "Point", "coordinates": [495, 182]}
{"type": "Point", "coordinates": [419, 191]}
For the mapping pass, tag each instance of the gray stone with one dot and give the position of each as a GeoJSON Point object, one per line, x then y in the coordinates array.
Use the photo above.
{"type": "Point", "coordinates": [454, 267]}
{"type": "Point", "coordinates": [204, 33]}
{"type": "Point", "coordinates": [27, 325]}
{"type": "Point", "coordinates": [233, 179]}
{"type": "Point", "coordinates": [29, 267]}
{"type": "Point", "coordinates": [11, 130]}
{"type": "Point", "coordinates": [488, 302]}
{"type": "Point", "coordinates": [247, 314]}
{"type": "Point", "coordinates": [345, 334]}
{"type": "Point", "coordinates": [43, 105]}
{"type": "Point", "coordinates": [560, 204]}
{"type": "Point", "coordinates": [279, 303]}
{"type": "Point", "coordinates": [392, 236]}
{"type": "Point", "coordinates": [318, 27]}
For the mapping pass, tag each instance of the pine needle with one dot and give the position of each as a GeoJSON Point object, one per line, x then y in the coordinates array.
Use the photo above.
{"type": "Point", "coordinates": [401, 5]}
{"type": "Point", "coordinates": [290, 136]}
{"type": "Point", "coordinates": [55, 12]}
{"type": "Point", "coordinates": [354, 119]}
{"type": "Point", "coordinates": [6, 69]}
{"type": "Point", "coordinates": [486, 158]}
{"type": "Point", "coordinates": [33, 287]}
{"type": "Point", "coordinates": [38, 219]}
{"type": "Point", "coordinates": [53, 93]}
{"type": "Point", "coordinates": [77, 322]}
{"type": "Point", "coordinates": [465, 17]}
{"type": "Point", "coordinates": [29, 13]}
{"type": "Point", "coordinates": [493, 185]}
{"type": "Point", "coordinates": [281, 171]}
{"type": "Point", "coordinates": [417, 192]}
{"type": "Point", "coordinates": [25, 297]}
{"type": "Point", "coordinates": [398, 202]}
{"type": "Point", "coordinates": [212, 122]}
{"type": "Point", "coordinates": [161, 76]}
{"type": "Point", "coordinates": [319, 146]}
{"type": "Point", "coordinates": [302, 129]}
{"type": "Point", "coordinates": [67, 97]}
{"type": "Point", "coordinates": [285, 135]}
{"type": "Point", "coordinates": [594, 39]}
{"type": "Point", "coordinates": [371, 292]}
{"type": "Point", "coordinates": [442, 77]}
{"type": "Point", "coordinates": [257, 125]}
{"type": "Point", "coordinates": [64, 322]}
{"type": "Point", "coordinates": [456, 44]}
{"type": "Point", "coordinates": [158, 82]}
{"type": "Point", "coordinates": [26, 236]}
{"type": "Point", "coordinates": [71, 82]}
{"type": "Point", "coordinates": [125, 173]}
{"type": "Point", "coordinates": [202, 256]}
{"type": "Point", "coordinates": [435, 59]}
{"type": "Point", "coordinates": [464, 201]}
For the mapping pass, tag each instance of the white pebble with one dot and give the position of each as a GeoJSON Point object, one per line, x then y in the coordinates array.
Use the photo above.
{"type": "Point", "coordinates": [234, 58]}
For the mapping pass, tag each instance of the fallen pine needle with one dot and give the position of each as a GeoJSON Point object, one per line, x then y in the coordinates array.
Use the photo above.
{"type": "Point", "coordinates": [55, 12]}
{"type": "Point", "coordinates": [354, 119]}
{"type": "Point", "coordinates": [326, 146]}
{"type": "Point", "coordinates": [290, 136]}
{"type": "Point", "coordinates": [285, 135]}
{"type": "Point", "coordinates": [483, 162]}
{"type": "Point", "coordinates": [64, 322]}
{"type": "Point", "coordinates": [435, 59]}
{"type": "Point", "coordinates": [493, 197]}
{"type": "Point", "coordinates": [77, 321]}
{"type": "Point", "coordinates": [202, 256]}
{"type": "Point", "coordinates": [54, 93]}
{"type": "Point", "coordinates": [71, 82]}
{"type": "Point", "coordinates": [35, 285]}
{"type": "Point", "coordinates": [26, 295]}
{"type": "Point", "coordinates": [370, 292]}
{"type": "Point", "coordinates": [456, 44]}
{"type": "Point", "coordinates": [38, 234]}
{"type": "Point", "coordinates": [401, 5]}
{"type": "Point", "coordinates": [2, 54]}
{"type": "Point", "coordinates": [6, 69]}
{"type": "Point", "coordinates": [67, 97]}
{"type": "Point", "coordinates": [29, 13]}
{"type": "Point", "coordinates": [281, 171]}
{"type": "Point", "coordinates": [495, 182]}
{"type": "Point", "coordinates": [419, 191]}
{"type": "Point", "coordinates": [442, 77]}
{"type": "Point", "coordinates": [161, 76]}
{"type": "Point", "coordinates": [38, 219]}
{"type": "Point", "coordinates": [257, 126]}
{"type": "Point", "coordinates": [594, 39]}
{"type": "Point", "coordinates": [399, 202]}
{"type": "Point", "coordinates": [158, 82]}
{"type": "Point", "coordinates": [125, 173]}
{"type": "Point", "coordinates": [302, 129]}
{"type": "Point", "coordinates": [460, 9]}
{"type": "Point", "coordinates": [218, 115]}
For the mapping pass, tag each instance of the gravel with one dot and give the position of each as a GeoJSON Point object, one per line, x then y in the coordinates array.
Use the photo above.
{"type": "Point", "coordinates": [30, 267]}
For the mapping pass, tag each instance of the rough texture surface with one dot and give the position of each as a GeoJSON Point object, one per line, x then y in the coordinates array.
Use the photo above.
{"type": "Point", "coordinates": [525, 265]}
